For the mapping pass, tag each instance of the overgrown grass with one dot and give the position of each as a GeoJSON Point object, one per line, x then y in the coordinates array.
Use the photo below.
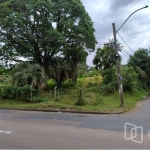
{"type": "Point", "coordinates": [87, 89]}
{"type": "Point", "coordinates": [95, 102]}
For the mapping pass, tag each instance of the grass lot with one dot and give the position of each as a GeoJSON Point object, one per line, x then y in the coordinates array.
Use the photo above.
{"type": "Point", "coordinates": [95, 102]}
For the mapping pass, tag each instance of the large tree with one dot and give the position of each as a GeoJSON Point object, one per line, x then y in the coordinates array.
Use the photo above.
{"type": "Point", "coordinates": [140, 60]}
{"type": "Point", "coordinates": [39, 30]}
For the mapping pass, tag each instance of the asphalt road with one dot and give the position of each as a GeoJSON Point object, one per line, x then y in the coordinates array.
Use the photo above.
{"type": "Point", "coordinates": [49, 130]}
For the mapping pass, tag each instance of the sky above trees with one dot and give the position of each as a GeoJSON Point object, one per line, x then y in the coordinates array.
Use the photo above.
{"type": "Point", "coordinates": [135, 32]}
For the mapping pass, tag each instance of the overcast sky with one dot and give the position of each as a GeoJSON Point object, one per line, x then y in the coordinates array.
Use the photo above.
{"type": "Point", "coordinates": [135, 32]}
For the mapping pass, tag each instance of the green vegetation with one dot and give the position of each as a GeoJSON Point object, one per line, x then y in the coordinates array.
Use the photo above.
{"type": "Point", "coordinates": [56, 34]}
{"type": "Point", "coordinates": [94, 102]}
{"type": "Point", "coordinates": [43, 50]}
{"type": "Point", "coordinates": [69, 97]}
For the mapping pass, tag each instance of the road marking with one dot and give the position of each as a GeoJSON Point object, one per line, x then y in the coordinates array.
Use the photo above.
{"type": "Point", "coordinates": [6, 132]}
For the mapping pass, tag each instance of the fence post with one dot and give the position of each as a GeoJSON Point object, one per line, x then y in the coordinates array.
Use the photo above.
{"type": "Point", "coordinates": [55, 92]}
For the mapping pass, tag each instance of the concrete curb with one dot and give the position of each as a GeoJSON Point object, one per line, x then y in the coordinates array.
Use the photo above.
{"type": "Point", "coordinates": [66, 111]}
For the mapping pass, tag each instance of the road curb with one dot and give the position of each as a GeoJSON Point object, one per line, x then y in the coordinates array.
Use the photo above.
{"type": "Point", "coordinates": [65, 111]}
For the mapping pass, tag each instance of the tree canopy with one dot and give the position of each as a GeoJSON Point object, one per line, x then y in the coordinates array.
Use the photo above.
{"type": "Point", "coordinates": [40, 30]}
{"type": "Point", "coordinates": [104, 58]}
{"type": "Point", "coordinates": [140, 60]}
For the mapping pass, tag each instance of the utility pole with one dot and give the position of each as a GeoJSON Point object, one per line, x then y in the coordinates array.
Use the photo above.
{"type": "Point", "coordinates": [120, 86]}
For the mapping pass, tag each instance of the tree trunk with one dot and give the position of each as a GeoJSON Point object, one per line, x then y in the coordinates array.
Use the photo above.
{"type": "Point", "coordinates": [74, 73]}
{"type": "Point", "coordinates": [58, 79]}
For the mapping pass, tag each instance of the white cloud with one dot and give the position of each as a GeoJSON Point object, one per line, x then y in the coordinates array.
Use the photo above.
{"type": "Point", "coordinates": [135, 31]}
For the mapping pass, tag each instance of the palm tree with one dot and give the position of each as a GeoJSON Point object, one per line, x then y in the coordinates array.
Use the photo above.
{"type": "Point", "coordinates": [29, 74]}
{"type": "Point", "coordinates": [59, 69]}
{"type": "Point", "coordinates": [104, 58]}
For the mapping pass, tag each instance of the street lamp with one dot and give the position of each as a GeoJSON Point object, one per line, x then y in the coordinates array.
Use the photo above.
{"type": "Point", "coordinates": [120, 86]}
{"type": "Point", "coordinates": [130, 16]}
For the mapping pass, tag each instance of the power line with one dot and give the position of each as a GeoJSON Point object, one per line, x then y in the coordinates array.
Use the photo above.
{"type": "Point", "coordinates": [124, 54]}
{"type": "Point", "coordinates": [125, 50]}
{"type": "Point", "coordinates": [125, 42]}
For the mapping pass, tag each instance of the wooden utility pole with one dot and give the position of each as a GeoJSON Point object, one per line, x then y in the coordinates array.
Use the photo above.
{"type": "Point", "coordinates": [120, 86]}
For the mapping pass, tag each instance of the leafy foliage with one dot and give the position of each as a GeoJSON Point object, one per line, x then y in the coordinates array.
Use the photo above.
{"type": "Point", "coordinates": [51, 84]}
{"type": "Point", "coordinates": [40, 30]}
{"type": "Point", "coordinates": [14, 92]}
{"type": "Point", "coordinates": [82, 69]}
{"type": "Point", "coordinates": [141, 63]}
{"type": "Point", "coordinates": [104, 58]}
{"type": "Point", "coordinates": [109, 82]}
{"type": "Point", "coordinates": [29, 74]}
{"type": "Point", "coordinates": [68, 84]}
{"type": "Point", "coordinates": [130, 79]}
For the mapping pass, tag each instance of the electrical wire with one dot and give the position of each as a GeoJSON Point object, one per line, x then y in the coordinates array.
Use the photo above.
{"type": "Point", "coordinates": [124, 54]}
{"type": "Point", "coordinates": [125, 42]}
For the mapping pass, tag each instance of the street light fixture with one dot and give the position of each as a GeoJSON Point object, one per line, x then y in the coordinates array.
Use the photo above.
{"type": "Point", "coordinates": [130, 16]}
{"type": "Point", "coordinates": [120, 86]}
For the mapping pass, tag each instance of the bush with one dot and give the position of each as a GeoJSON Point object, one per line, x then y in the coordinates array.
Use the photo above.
{"type": "Point", "coordinates": [14, 92]}
{"type": "Point", "coordinates": [109, 76]}
{"type": "Point", "coordinates": [130, 79]}
{"type": "Point", "coordinates": [93, 73]}
{"type": "Point", "coordinates": [109, 82]}
{"type": "Point", "coordinates": [51, 84]}
{"type": "Point", "coordinates": [82, 82]}
{"type": "Point", "coordinates": [89, 81]}
{"type": "Point", "coordinates": [68, 83]}
{"type": "Point", "coordinates": [107, 88]}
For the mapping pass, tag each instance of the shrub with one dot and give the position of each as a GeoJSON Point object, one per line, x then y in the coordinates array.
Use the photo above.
{"type": "Point", "coordinates": [82, 82]}
{"type": "Point", "coordinates": [107, 88]}
{"type": "Point", "coordinates": [68, 83]}
{"type": "Point", "coordinates": [109, 76]}
{"type": "Point", "coordinates": [109, 83]}
{"type": "Point", "coordinates": [51, 84]}
{"type": "Point", "coordinates": [14, 92]}
{"type": "Point", "coordinates": [130, 79]}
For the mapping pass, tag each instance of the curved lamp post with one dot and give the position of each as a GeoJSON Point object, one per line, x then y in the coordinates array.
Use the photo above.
{"type": "Point", "coordinates": [130, 16]}
{"type": "Point", "coordinates": [120, 86]}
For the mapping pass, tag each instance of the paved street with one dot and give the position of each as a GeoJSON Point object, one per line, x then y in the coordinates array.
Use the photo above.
{"type": "Point", "coordinates": [49, 130]}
